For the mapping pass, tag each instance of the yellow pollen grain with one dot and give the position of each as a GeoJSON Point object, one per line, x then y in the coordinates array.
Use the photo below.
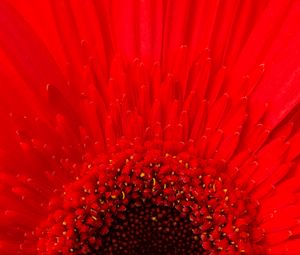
{"type": "Point", "coordinates": [180, 161]}
{"type": "Point", "coordinates": [142, 175]}
{"type": "Point", "coordinates": [165, 186]}
{"type": "Point", "coordinates": [154, 218]}
{"type": "Point", "coordinates": [237, 230]}
{"type": "Point", "coordinates": [123, 195]}
{"type": "Point", "coordinates": [225, 190]}
{"type": "Point", "coordinates": [154, 181]}
{"type": "Point", "coordinates": [226, 198]}
{"type": "Point", "coordinates": [214, 187]}
{"type": "Point", "coordinates": [113, 196]}
{"type": "Point", "coordinates": [94, 218]}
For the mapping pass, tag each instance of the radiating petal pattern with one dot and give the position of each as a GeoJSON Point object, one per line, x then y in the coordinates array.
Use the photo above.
{"type": "Point", "coordinates": [149, 127]}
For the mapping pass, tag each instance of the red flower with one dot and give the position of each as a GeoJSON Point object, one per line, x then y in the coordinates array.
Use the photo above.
{"type": "Point", "coordinates": [149, 127]}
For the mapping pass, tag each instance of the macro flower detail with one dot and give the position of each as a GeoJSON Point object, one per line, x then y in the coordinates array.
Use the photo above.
{"type": "Point", "coordinates": [149, 127]}
{"type": "Point", "coordinates": [219, 216]}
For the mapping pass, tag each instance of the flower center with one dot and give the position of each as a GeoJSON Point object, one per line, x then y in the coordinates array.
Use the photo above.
{"type": "Point", "coordinates": [151, 229]}
{"type": "Point", "coordinates": [149, 202]}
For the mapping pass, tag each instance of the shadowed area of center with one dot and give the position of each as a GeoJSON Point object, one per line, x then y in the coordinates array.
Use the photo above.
{"type": "Point", "coordinates": [151, 230]}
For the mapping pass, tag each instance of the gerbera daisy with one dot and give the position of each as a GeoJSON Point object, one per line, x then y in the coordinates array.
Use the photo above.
{"type": "Point", "coordinates": [149, 127]}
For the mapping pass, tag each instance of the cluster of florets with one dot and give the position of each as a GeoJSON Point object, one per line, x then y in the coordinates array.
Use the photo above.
{"type": "Point", "coordinates": [218, 215]}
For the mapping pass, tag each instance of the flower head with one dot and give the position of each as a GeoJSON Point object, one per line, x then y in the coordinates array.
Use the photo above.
{"type": "Point", "coordinates": [149, 127]}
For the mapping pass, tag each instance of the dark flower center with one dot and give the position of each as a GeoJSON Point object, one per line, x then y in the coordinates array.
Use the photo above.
{"type": "Point", "coordinates": [148, 202]}
{"type": "Point", "coordinates": [150, 229]}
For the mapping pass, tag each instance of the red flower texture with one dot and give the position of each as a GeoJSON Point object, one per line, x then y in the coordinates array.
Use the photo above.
{"type": "Point", "coordinates": [149, 127]}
